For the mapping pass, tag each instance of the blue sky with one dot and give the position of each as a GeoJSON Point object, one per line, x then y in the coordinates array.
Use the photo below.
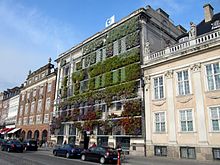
{"type": "Point", "coordinates": [31, 31]}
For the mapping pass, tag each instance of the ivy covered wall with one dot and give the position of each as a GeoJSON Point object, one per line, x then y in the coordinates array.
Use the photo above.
{"type": "Point", "coordinates": [109, 70]}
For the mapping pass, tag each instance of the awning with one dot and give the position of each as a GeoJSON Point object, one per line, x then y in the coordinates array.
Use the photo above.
{"type": "Point", "coordinates": [6, 131]}
{"type": "Point", "coordinates": [3, 130]}
{"type": "Point", "coordinates": [14, 130]}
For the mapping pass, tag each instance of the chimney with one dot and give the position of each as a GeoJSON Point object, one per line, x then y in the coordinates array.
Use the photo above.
{"type": "Point", "coordinates": [208, 10]}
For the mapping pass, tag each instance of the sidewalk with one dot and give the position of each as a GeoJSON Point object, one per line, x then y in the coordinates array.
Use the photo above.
{"type": "Point", "coordinates": [138, 160]}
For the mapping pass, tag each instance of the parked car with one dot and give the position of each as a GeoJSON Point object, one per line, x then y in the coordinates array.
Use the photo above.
{"type": "Point", "coordinates": [67, 150]}
{"type": "Point", "coordinates": [30, 145]}
{"type": "Point", "coordinates": [2, 141]}
{"type": "Point", "coordinates": [12, 145]}
{"type": "Point", "coordinates": [100, 154]}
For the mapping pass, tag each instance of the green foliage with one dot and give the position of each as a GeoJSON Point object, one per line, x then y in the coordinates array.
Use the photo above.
{"type": "Point", "coordinates": [109, 50]}
{"type": "Point", "coordinates": [93, 58]}
{"type": "Point", "coordinates": [79, 65]}
{"type": "Point", "coordinates": [76, 88]}
{"type": "Point", "coordinates": [115, 62]}
{"type": "Point", "coordinates": [132, 40]}
{"type": "Point", "coordinates": [132, 71]}
{"type": "Point", "coordinates": [92, 84]}
{"type": "Point", "coordinates": [87, 60]}
{"type": "Point", "coordinates": [116, 77]}
{"type": "Point", "coordinates": [126, 28]}
{"type": "Point", "coordinates": [132, 108]}
{"type": "Point", "coordinates": [108, 78]}
{"type": "Point", "coordinates": [94, 45]}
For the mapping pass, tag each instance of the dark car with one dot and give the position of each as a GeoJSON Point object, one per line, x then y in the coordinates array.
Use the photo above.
{"type": "Point", "coordinates": [30, 145]}
{"type": "Point", "coordinates": [67, 150]}
{"type": "Point", "coordinates": [100, 154]}
{"type": "Point", "coordinates": [12, 145]}
{"type": "Point", "coordinates": [2, 141]}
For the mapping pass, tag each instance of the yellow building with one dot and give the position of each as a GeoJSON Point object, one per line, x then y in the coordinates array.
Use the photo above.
{"type": "Point", "coordinates": [182, 94]}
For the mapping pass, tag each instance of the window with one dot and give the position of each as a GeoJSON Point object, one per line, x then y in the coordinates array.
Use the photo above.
{"type": "Point", "coordinates": [183, 82]}
{"type": "Point", "coordinates": [38, 119]}
{"type": "Point", "coordinates": [160, 122]}
{"type": "Point", "coordinates": [41, 90]}
{"type": "Point", "coordinates": [34, 93]}
{"type": "Point", "coordinates": [213, 76]}
{"type": "Point", "coordinates": [20, 121]}
{"type": "Point", "coordinates": [122, 45]}
{"type": "Point", "coordinates": [160, 150]}
{"type": "Point", "coordinates": [25, 120]}
{"type": "Point", "coordinates": [32, 107]}
{"type": "Point", "coordinates": [115, 48]}
{"type": "Point", "coordinates": [186, 120]}
{"type": "Point", "coordinates": [49, 87]}
{"type": "Point", "coordinates": [216, 153]}
{"type": "Point", "coordinates": [46, 118]}
{"type": "Point", "coordinates": [36, 78]}
{"type": "Point", "coordinates": [21, 110]}
{"type": "Point", "coordinates": [48, 104]}
{"type": "Point", "coordinates": [158, 88]}
{"type": "Point", "coordinates": [31, 120]}
{"type": "Point", "coordinates": [39, 106]}
{"type": "Point", "coordinates": [28, 95]}
{"type": "Point", "coordinates": [26, 109]}
{"type": "Point", "coordinates": [215, 118]}
{"type": "Point", "coordinates": [22, 98]}
{"type": "Point", "coordinates": [187, 152]}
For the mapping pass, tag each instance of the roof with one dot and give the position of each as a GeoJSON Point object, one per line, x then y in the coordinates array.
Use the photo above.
{"type": "Point", "coordinates": [205, 27]}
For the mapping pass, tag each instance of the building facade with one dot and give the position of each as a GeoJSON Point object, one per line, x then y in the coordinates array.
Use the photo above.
{"type": "Point", "coordinates": [182, 89]}
{"type": "Point", "coordinates": [99, 94]}
{"type": "Point", "coordinates": [36, 103]}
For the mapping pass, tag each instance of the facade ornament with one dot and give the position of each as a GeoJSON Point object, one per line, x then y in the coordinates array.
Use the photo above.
{"type": "Point", "coordinates": [169, 74]}
{"type": "Point", "coordinates": [146, 51]}
{"type": "Point", "coordinates": [147, 82]}
{"type": "Point", "coordinates": [195, 67]}
{"type": "Point", "coordinates": [192, 32]}
{"type": "Point", "coordinates": [49, 60]}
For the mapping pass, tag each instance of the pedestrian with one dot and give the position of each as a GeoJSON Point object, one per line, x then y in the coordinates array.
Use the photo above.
{"type": "Point", "coordinates": [93, 145]}
{"type": "Point", "coordinates": [64, 142]}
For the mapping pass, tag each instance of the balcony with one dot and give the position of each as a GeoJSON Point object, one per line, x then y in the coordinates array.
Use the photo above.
{"type": "Point", "coordinates": [199, 43]}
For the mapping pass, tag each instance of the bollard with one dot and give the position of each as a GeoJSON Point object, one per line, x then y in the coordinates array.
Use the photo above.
{"type": "Point", "coordinates": [119, 157]}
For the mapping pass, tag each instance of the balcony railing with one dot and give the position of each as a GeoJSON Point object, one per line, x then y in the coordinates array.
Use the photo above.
{"type": "Point", "coordinates": [180, 47]}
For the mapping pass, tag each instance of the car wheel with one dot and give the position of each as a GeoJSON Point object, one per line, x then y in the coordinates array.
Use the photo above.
{"type": "Point", "coordinates": [67, 155]}
{"type": "Point", "coordinates": [55, 153]}
{"type": "Point", "coordinates": [83, 157]}
{"type": "Point", "coordinates": [8, 149]}
{"type": "Point", "coordinates": [102, 160]}
{"type": "Point", "coordinates": [2, 148]}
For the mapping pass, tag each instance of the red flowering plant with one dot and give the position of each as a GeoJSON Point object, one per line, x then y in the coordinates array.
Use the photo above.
{"type": "Point", "coordinates": [132, 126]}
{"type": "Point", "coordinates": [132, 108]}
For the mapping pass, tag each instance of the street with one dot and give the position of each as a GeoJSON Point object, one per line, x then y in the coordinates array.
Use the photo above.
{"type": "Point", "coordinates": [44, 157]}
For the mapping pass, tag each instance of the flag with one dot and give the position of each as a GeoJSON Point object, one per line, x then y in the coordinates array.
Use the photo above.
{"type": "Point", "coordinates": [110, 21]}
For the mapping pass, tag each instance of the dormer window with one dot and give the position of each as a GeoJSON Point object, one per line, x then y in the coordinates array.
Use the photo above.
{"type": "Point", "coordinates": [216, 24]}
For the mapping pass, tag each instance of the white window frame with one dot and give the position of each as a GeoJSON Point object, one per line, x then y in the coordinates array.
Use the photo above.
{"type": "Point", "coordinates": [179, 121]}
{"type": "Point", "coordinates": [38, 119]}
{"type": "Point", "coordinates": [46, 118]}
{"type": "Point", "coordinates": [177, 82]}
{"type": "Point", "coordinates": [32, 107]}
{"type": "Point", "coordinates": [31, 120]}
{"type": "Point", "coordinates": [206, 79]}
{"type": "Point", "coordinates": [48, 104]}
{"type": "Point", "coordinates": [21, 110]}
{"type": "Point", "coordinates": [210, 118]}
{"type": "Point", "coordinates": [153, 91]}
{"type": "Point", "coordinates": [41, 90]}
{"type": "Point", "coordinates": [154, 121]}
{"type": "Point", "coordinates": [25, 121]}
{"type": "Point", "coordinates": [26, 109]}
{"type": "Point", "coordinates": [49, 87]}
{"type": "Point", "coordinates": [39, 106]}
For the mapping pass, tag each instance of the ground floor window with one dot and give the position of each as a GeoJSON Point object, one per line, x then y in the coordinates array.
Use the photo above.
{"type": "Point", "coordinates": [187, 152]}
{"type": "Point", "coordinates": [216, 153]}
{"type": "Point", "coordinates": [124, 143]}
{"type": "Point", "coordinates": [160, 150]}
{"type": "Point", "coordinates": [72, 140]}
{"type": "Point", "coordinates": [102, 141]}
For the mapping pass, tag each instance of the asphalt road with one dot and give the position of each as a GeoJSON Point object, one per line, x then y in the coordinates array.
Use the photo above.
{"type": "Point", "coordinates": [46, 158]}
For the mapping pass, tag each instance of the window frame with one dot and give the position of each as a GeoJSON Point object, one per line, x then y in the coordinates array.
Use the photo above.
{"type": "Point", "coordinates": [177, 82]}
{"type": "Point", "coordinates": [186, 117]}
{"type": "Point", "coordinates": [206, 75]}
{"type": "Point", "coordinates": [153, 87]}
{"type": "Point", "coordinates": [155, 127]}
{"type": "Point", "coordinates": [210, 116]}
